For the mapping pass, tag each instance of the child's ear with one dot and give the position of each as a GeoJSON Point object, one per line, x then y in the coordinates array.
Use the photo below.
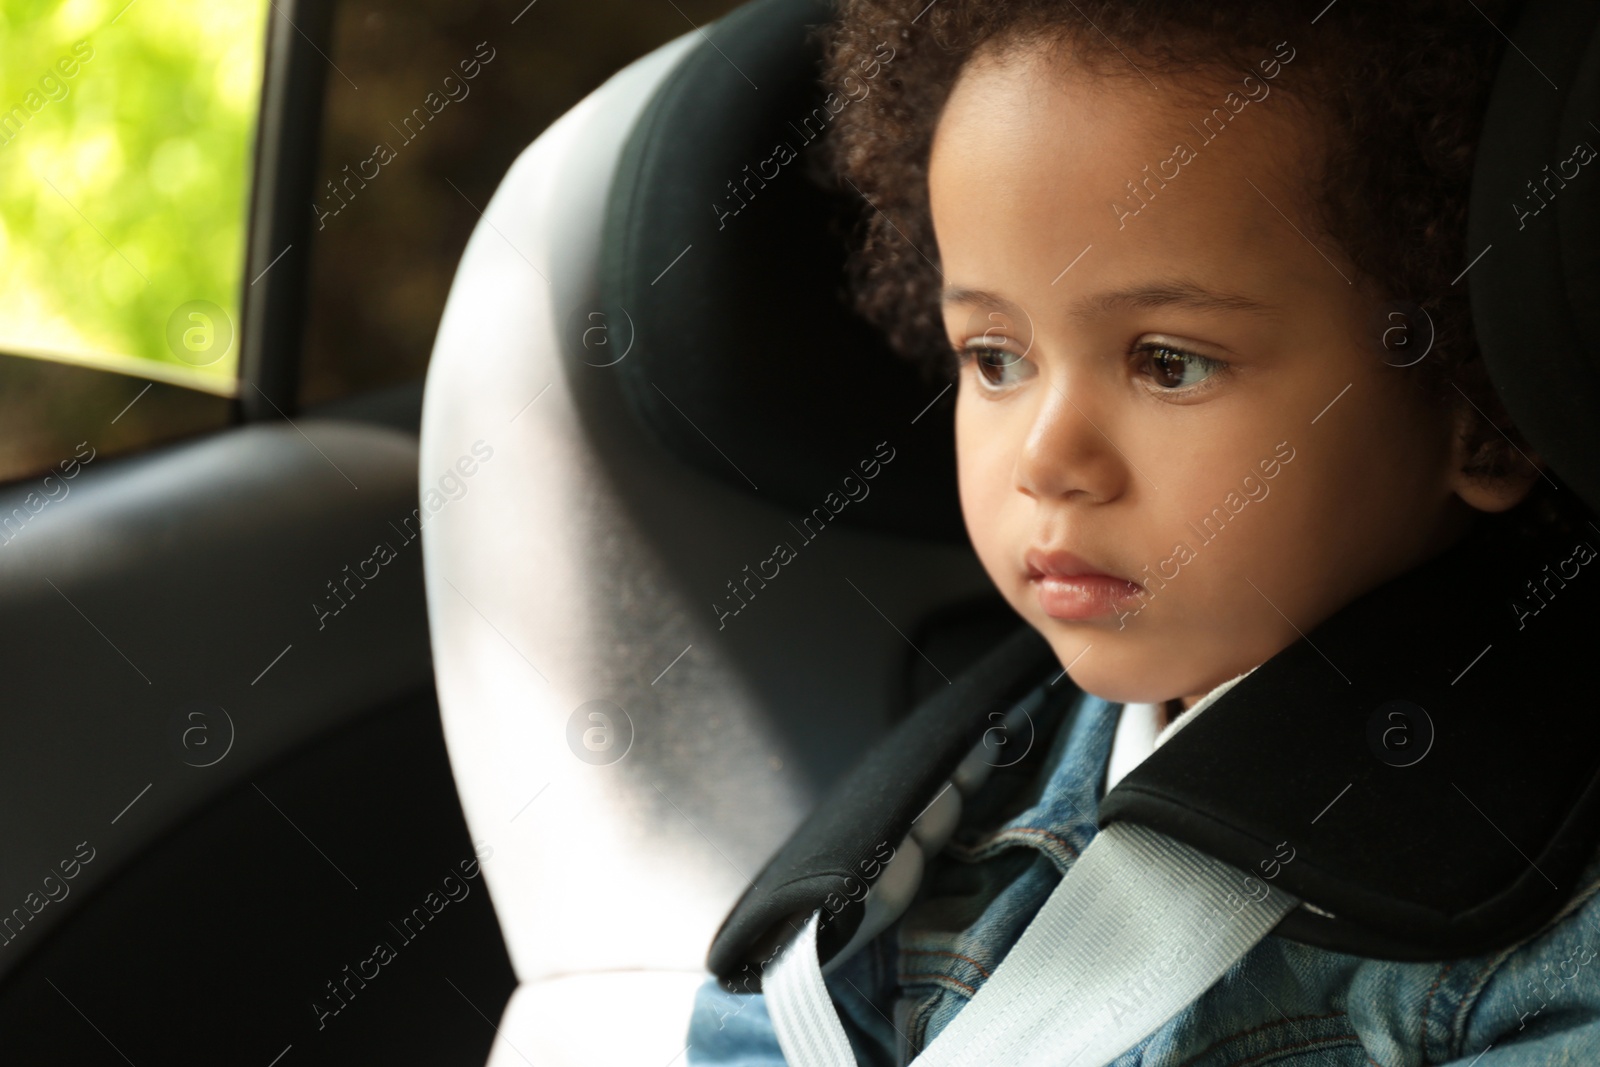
{"type": "Point", "coordinates": [1516, 469]}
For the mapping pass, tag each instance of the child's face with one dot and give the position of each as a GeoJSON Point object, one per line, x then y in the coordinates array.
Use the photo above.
{"type": "Point", "coordinates": [1321, 470]}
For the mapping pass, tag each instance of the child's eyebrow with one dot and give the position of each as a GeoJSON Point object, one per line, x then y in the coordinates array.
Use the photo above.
{"type": "Point", "coordinates": [1173, 293]}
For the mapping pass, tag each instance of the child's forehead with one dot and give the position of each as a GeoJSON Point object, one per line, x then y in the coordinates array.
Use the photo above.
{"type": "Point", "coordinates": [1003, 96]}
{"type": "Point", "coordinates": [1156, 182]}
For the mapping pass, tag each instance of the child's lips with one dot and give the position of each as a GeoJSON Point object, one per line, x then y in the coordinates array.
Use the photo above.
{"type": "Point", "coordinates": [1082, 596]}
{"type": "Point", "coordinates": [1070, 587]}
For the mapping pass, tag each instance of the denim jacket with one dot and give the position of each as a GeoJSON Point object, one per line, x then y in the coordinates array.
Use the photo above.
{"type": "Point", "coordinates": [1536, 1002]}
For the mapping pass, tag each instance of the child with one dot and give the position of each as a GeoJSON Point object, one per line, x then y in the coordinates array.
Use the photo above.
{"type": "Point", "coordinates": [1192, 267]}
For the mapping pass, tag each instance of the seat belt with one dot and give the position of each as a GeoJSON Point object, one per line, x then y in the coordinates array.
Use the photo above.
{"type": "Point", "coordinates": [1140, 926]}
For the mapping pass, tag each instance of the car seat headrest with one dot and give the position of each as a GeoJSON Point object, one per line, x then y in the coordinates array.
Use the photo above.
{"type": "Point", "coordinates": [722, 275]}
{"type": "Point", "coordinates": [1533, 249]}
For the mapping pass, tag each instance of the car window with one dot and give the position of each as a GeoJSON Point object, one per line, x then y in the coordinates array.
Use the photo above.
{"type": "Point", "coordinates": [126, 142]}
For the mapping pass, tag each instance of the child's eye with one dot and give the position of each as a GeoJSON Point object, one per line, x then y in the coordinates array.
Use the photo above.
{"type": "Point", "coordinates": [1176, 369]}
{"type": "Point", "coordinates": [993, 364]}
{"type": "Point", "coordinates": [1173, 370]}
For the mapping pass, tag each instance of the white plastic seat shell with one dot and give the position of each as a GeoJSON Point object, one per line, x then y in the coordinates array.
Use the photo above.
{"type": "Point", "coordinates": [580, 563]}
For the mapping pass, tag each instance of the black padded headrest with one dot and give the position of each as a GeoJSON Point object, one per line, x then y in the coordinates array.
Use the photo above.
{"type": "Point", "coordinates": [746, 363]}
{"type": "Point", "coordinates": [1534, 238]}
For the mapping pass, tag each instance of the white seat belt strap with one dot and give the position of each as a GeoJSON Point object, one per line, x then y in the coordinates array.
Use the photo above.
{"type": "Point", "coordinates": [802, 1013]}
{"type": "Point", "coordinates": [1140, 926]}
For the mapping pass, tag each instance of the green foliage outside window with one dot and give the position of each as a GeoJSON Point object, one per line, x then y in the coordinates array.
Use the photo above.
{"type": "Point", "coordinates": [126, 141]}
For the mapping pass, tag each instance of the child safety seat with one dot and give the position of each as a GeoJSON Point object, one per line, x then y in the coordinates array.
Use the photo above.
{"type": "Point", "coordinates": [706, 627]}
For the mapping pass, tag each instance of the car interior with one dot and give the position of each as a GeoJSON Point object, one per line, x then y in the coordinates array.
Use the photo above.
{"type": "Point", "coordinates": [454, 529]}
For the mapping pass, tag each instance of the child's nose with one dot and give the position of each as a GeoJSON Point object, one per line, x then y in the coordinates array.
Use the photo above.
{"type": "Point", "coordinates": [1066, 449]}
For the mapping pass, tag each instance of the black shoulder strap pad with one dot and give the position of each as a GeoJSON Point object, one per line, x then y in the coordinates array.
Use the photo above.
{"type": "Point", "coordinates": [832, 856]}
{"type": "Point", "coordinates": [1423, 768]}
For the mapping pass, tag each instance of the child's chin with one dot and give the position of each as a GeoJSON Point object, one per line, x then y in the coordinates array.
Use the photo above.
{"type": "Point", "coordinates": [1117, 683]}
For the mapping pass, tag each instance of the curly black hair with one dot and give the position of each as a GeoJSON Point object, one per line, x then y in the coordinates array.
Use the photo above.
{"type": "Point", "coordinates": [1398, 87]}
